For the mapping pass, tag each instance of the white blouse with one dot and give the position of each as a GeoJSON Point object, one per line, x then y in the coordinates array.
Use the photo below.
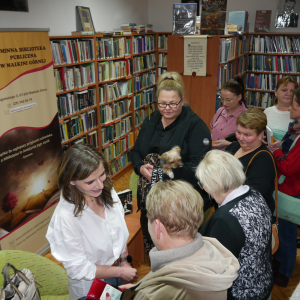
{"type": "Point", "coordinates": [83, 242]}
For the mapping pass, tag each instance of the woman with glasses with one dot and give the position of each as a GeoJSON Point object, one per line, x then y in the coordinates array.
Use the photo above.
{"type": "Point", "coordinates": [260, 172]}
{"type": "Point", "coordinates": [173, 124]}
{"type": "Point", "coordinates": [224, 121]}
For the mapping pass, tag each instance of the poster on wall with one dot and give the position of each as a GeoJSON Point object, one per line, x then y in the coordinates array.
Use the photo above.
{"type": "Point", "coordinates": [287, 14]}
{"type": "Point", "coordinates": [30, 146]}
{"type": "Point", "coordinates": [195, 55]}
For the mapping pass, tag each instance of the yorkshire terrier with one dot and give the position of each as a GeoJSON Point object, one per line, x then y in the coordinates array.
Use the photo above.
{"type": "Point", "coordinates": [171, 160]}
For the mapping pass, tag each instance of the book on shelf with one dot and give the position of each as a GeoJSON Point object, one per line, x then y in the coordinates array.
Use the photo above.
{"type": "Point", "coordinates": [227, 49]}
{"type": "Point", "coordinates": [184, 18]}
{"type": "Point", "coordinates": [105, 32]}
{"type": "Point", "coordinates": [262, 21]}
{"type": "Point", "coordinates": [143, 62]}
{"type": "Point", "coordinates": [126, 199]}
{"type": "Point", "coordinates": [143, 43]}
{"type": "Point", "coordinates": [144, 80]}
{"type": "Point", "coordinates": [259, 99]}
{"type": "Point", "coordinates": [240, 18]}
{"type": "Point", "coordinates": [162, 43]}
{"type": "Point", "coordinates": [82, 32]}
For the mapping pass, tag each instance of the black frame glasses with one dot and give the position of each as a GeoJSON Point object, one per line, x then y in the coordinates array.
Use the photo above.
{"type": "Point", "coordinates": [171, 105]}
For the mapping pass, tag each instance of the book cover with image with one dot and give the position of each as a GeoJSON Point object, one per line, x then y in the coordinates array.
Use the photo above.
{"type": "Point", "coordinates": [184, 18]}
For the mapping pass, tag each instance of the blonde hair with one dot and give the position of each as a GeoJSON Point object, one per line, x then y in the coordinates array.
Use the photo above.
{"type": "Point", "coordinates": [170, 81]}
{"type": "Point", "coordinates": [177, 205]}
{"type": "Point", "coordinates": [220, 172]}
{"type": "Point", "coordinates": [284, 81]}
{"type": "Point", "coordinates": [253, 118]}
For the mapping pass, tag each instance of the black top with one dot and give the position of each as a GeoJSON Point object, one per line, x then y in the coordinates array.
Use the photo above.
{"type": "Point", "coordinates": [188, 132]}
{"type": "Point", "coordinates": [243, 226]}
{"type": "Point", "coordinates": [261, 172]}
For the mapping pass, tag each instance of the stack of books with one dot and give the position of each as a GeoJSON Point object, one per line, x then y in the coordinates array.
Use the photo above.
{"type": "Point", "coordinates": [149, 28]}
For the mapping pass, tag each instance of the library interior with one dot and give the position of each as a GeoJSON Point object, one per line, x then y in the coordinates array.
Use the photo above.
{"type": "Point", "coordinates": [148, 149]}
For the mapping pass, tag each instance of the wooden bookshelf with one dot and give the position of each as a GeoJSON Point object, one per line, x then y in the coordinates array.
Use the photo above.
{"type": "Point", "coordinates": [141, 81]}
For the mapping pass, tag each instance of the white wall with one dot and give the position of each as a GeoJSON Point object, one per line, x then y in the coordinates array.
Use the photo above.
{"type": "Point", "coordinates": [59, 15]}
{"type": "Point", "coordinates": [160, 13]}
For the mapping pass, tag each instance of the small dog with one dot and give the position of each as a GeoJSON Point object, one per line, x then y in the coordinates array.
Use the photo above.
{"type": "Point", "coordinates": [171, 160]}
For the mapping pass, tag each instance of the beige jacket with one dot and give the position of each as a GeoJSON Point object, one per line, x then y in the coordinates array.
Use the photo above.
{"type": "Point", "coordinates": [206, 274]}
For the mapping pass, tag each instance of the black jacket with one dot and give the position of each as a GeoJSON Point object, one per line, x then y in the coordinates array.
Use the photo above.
{"type": "Point", "coordinates": [188, 132]}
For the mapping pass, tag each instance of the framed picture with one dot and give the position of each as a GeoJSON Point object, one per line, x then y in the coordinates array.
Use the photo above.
{"type": "Point", "coordinates": [16, 5]}
{"type": "Point", "coordinates": [85, 18]}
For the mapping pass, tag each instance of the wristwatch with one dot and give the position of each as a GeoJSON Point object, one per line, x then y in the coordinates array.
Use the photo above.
{"type": "Point", "coordinates": [127, 258]}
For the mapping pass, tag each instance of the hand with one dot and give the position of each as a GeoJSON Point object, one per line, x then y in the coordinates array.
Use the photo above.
{"type": "Point", "coordinates": [128, 274]}
{"type": "Point", "coordinates": [219, 144]}
{"type": "Point", "coordinates": [126, 264]}
{"type": "Point", "coordinates": [108, 296]}
{"type": "Point", "coordinates": [126, 286]}
{"type": "Point", "coordinates": [274, 146]}
{"type": "Point", "coordinates": [146, 171]}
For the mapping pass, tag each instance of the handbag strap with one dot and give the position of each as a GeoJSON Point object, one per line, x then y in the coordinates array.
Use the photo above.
{"type": "Point", "coordinates": [218, 117]}
{"type": "Point", "coordinates": [275, 180]}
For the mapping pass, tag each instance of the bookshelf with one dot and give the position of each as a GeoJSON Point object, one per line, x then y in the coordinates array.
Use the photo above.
{"type": "Point", "coordinates": [105, 88]}
{"type": "Point", "coordinates": [162, 52]}
{"type": "Point", "coordinates": [226, 57]}
{"type": "Point", "coordinates": [270, 57]}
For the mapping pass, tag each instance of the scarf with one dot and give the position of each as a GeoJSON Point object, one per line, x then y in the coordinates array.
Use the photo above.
{"type": "Point", "coordinates": [288, 139]}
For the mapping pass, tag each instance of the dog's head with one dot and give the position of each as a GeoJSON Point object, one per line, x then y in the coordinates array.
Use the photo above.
{"type": "Point", "coordinates": [171, 157]}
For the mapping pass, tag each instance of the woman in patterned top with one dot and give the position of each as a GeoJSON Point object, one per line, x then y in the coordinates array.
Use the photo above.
{"type": "Point", "coordinates": [242, 224]}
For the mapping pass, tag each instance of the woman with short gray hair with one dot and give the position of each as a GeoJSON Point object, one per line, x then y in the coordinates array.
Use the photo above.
{"type": "Point", "coordinates": [242, 223]}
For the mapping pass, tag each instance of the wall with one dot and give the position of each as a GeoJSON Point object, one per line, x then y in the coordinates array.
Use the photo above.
{"type": "Point", "coordinates": [160, 13]}
{"type": "Point", "coordinates": [59, 15]}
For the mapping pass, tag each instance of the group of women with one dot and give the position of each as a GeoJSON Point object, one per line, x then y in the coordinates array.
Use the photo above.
{"type": "Point", "coordinates": [88, 233]}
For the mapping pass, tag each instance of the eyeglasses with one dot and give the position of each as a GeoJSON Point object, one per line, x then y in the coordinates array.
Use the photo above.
{"type": "Point", "coordinates": [200, 185]}
{"type": "Point", "coordinates": [226, 100]}
{"type": "Point", "coordinates": [171, 105]}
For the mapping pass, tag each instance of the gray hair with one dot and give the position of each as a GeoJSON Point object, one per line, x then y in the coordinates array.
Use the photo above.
{"type": "Point", "coordinates": [220, 172]}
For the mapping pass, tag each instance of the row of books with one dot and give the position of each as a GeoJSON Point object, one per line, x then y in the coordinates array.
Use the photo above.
{"type": "Point", "coordinates": [90, 139]}
{"type": "Point", "coordinates": [114, 150]}
{"type": "Point", "coordinates": [264, 81]}
{"type": "Point", "coordinates": [161, 71]}
{"type": "Point", "coordinates": [274, 44]}
{"type": "Point", "coordinates": [114, 111]}
{"type": "Point", "coordinates": [141, 44]}
{"type": "Point", "coordinates": [71, 103]}
{"type": "Point", "coordinates": [144, 80]}
{"type": "Point", "coordinates": [271, 63]}
{"type": "Point", "coordinates": [72, 51]}
{"type": "Point", "coordinates": [112, 47]}
{"type": "Point", "coordinates": [109, 70]}
{"type": "Point", "coordinates": [114, 90]}
{"type": "Point", "coordinates": [225, 72]}
{"type": "Point", "coordinates": [227, 49]}
{"type": "Point", "coordinates": [114, 131]}
{"type": "Point", "coordinates": [162, 59]}
{"type": "Point", "coordinates": [68, 78]}
{"type": "Point", "coordinates": [144, 98]}
{"type": "Point", "coordinates": [259, 99]}
{"type": "Point", "coordinates": [143, 62]}
{"type": "Point", "coordinates": [141, 114]}
{"type": "Point", "coordinates": [242, 45]}
{"type": "Point", "coordinates": [241, 65]}
{"type": "Point", "coordinates": [69, 128]}
{"type": "Point", "coordinates": [162, 43]}
{"type": "Point", "coordinates": [120, 163]}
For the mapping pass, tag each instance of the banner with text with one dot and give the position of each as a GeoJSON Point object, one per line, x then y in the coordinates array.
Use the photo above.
{"type": "Point", "coordinates": [195, 55]}
{"type": "Point", "coordinates": [30, 146]}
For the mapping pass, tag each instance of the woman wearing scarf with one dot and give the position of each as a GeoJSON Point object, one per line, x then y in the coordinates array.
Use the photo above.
{"type": "Point", "coordinates": [288, 162]}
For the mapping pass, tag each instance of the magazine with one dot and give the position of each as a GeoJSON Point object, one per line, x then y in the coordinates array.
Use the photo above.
{"type": "Point", "coordinates": [184, 18]}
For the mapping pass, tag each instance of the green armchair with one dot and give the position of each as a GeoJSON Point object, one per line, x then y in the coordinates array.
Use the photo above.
{"type": "Point", "coordinates": [51, 276]}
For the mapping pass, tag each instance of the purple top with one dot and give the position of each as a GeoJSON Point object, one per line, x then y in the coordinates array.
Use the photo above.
{"type": "Point", "coordinates": [225, 124]}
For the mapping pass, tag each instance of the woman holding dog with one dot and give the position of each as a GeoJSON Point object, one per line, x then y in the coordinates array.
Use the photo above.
{"type": "Point", "coordinates": [173, 124]}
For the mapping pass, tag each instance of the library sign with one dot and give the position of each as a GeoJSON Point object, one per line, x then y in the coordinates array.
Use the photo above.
{"type": "Point", "coordinates": [30, 146]}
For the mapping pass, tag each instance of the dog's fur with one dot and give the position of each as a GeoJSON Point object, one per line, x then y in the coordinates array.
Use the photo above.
{"type": "Point", "coordinates": [171, 160]}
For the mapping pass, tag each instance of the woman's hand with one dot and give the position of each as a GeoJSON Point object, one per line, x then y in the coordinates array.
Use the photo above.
{"type": "Point", "coordinates": [126, 286]}
{"type": "Point", "coordinates": [108, 296]}
{"type": "Point", "coordinates": [274, 146]}
{"type": "Point", "coordinates": [219, 144]}
{"type": "Point", "coordinates": [128, 274]}
{"type": "Point", "coordinates": [146, 171]}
